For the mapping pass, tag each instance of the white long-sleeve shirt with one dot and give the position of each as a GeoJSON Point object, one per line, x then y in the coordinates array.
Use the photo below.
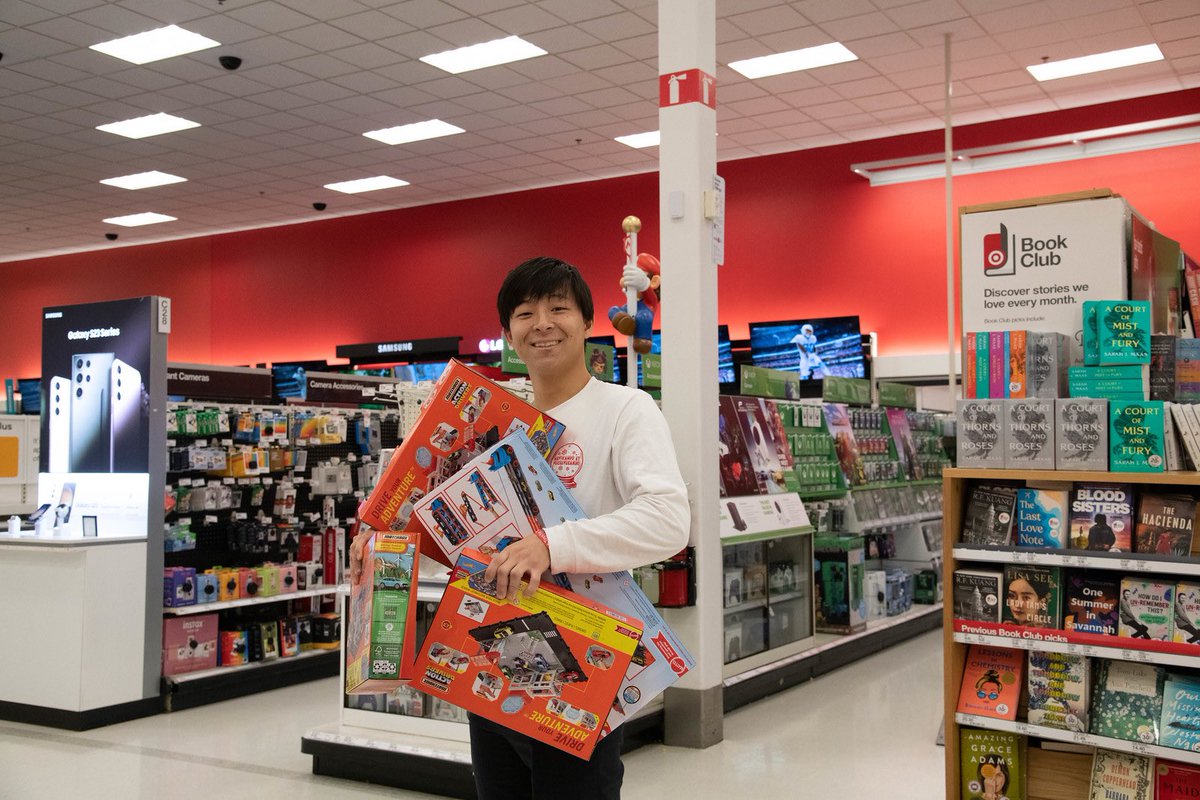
{"type": "Point", "coordinates": [617, 459]}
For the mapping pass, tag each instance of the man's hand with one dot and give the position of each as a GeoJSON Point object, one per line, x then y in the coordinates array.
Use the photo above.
{"type": "Point", "coordinates": [356, 555]}
{"type": "Point", "coordinates": [634, 277]}
{"type": "Point", "coordinates": [527, 559]}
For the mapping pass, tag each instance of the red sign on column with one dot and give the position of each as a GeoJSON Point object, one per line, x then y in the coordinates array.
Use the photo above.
{"type": "Point", "coordinates": [687, 86]}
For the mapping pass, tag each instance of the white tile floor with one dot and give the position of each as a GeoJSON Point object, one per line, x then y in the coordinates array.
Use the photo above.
{"type": "Point", "coordinates": [866, 730]}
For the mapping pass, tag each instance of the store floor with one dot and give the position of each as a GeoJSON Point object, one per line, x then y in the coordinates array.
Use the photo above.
{"type": "Point", "coordinates": [866, 730]}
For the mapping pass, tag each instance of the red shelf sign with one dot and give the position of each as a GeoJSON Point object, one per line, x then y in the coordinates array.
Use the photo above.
{"type": "Point", "coordinates": [687, 86]}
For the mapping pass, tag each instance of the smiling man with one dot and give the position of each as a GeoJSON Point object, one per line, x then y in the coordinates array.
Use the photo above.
{"type": "Point", "coordinates": [617, 458]}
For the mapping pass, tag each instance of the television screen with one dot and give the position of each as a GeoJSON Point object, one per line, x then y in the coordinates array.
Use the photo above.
{"type": "Point", "coordinates": [815, 348]}
{"type": "Point", "coordinates": [725, 372]}
{"type": "Point", "coordinates": [413, 373]}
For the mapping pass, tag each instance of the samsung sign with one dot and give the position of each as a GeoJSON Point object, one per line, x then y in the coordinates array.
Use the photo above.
{"type": "Point", "coordinates": [403, 350]}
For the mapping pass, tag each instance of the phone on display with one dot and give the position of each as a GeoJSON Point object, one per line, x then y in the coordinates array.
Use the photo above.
{"type": "Point", "coordinates": [59, 410]}
{"type": "Point", "coordinates": [125, 400]}
{"type": "Point", "coordinates": [90, 435]}
{"type": "Point", "coordinates": [41, 510]}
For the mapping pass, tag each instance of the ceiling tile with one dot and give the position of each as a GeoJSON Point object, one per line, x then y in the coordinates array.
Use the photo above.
{"type": "Point", "coordinates": [322, 37]}
{"type": "Point", "coordinates": [769, 20]}
{"type": "Point", "coordinates": [824, 10]}
{"type": "Point", "coordinates": [1163, 10]}
{"type": "Point", "coordinates": [863, 26]}
{"type": "Point", "coordinates": [270, 17]}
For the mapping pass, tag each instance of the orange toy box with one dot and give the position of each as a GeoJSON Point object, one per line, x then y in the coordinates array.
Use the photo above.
{"type": "Point", "coordinates": [548, 666]}
{"type": "Point", "coordinates": [465, 414]}
{"type": "Point", "coordinates": [382, 621]}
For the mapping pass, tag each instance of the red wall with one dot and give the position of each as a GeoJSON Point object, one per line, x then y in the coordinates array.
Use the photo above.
{"type": "Point", "coordinates": [805, 236]}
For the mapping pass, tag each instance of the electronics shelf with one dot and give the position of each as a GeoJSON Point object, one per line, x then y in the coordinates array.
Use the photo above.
{"type": "Point", "coordinates": [895, 522]}
{"type": "Point", "coordinates": [1123, 562]}
{"type": "Point", "coordinates": [205, 608]}
{"type": "Point", "coordinates": [958, 634]}
{"type": "Point", "coordinates": [204, 674]}
{"type": "Point", "coordinates": [746, 606]}
{"type": "Point", "coordinates": [763, 536]}
{"type": "Point", "coordinates": [1075, 737]}
{"type": "Point", "coordinates": [223, 683]}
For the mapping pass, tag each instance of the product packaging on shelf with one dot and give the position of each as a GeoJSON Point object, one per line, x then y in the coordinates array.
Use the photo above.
{"type": "Point", "coordinates": [189, 643]}
{"type": "Point", "coordinates": [383, 614]}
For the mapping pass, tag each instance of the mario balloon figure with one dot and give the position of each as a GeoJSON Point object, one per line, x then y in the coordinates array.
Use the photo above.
{"type": "Point", "coordinates": [641, 276]}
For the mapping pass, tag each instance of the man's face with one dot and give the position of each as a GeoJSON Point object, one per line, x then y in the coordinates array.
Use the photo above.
{"type": "Point", "coordinates": [548, 333]}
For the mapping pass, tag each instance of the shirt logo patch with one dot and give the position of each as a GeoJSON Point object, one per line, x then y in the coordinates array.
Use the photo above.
{"type": "Point", "coordinates": [567, 463]}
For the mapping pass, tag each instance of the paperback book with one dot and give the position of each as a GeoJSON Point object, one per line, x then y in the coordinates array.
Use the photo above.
{"type": "Point", "coordinates": [1147, 608]}
{"type": "Point", "coordinates": [989, 516]}
{"type": "Point", "coordinates": [1187, 613]}
{"type": "Point", "coordinates": [977, 594]}
{"type": "Point", "coordinates": [1162, 367]}
{"type": "Point", "coordinates": [1102, 517]}
{"type": "Point", "coordinates": [1033, 596]}
{"type": "Point", "coordinates": [1059, 690]}
{"type": "Point", "coordinates": [1042, 518]}
{"type": "Point", "coordinates": [1164, 524]}
{"type": "Point", "coordinates": [1122, 330]}
{"type": "Point", "coordinates": [464, 414]}
{"type": "Point", "coordinates": [992, 764]}
{"type": "Point", "coordinates": [991, 682]}
{"type": "Point", "coordinates": [1081, 434]}
{"type": "Point", "coordinates": [1135, 436]}
{"type": "Point", "coordinates": [1046, 361]}
{"type": "Point", "coordinates": [980, 440]}
{"type": "Point", "coordinates": [1187, 370]}
{"type": "Point", "coordinates": [1029, 434]}
{"type": "Point", "coordinates": [1174, 780]}
{"type": "Point", "coordinates": [1120, 776]}
{"type": "Point", "coordinates": [548, 666]}
{"type": "Point", "coordinates": [1091, 603]}
{"type": "Point", "coordinates": [1180, 723]}
{"type": "Point", "coordinates": [1127, 702]}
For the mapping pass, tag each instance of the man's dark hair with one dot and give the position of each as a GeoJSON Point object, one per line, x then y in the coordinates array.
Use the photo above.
{"type": "Point", "coordinates": [543, 277]}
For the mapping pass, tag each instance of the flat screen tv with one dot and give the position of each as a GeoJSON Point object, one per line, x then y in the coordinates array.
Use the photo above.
{"type": "Point", "coordinates": [725, 368]}
{"type": "Point", "coordinates": [414, 373]}
{"type": "Point", "coordinates": [817, 347]}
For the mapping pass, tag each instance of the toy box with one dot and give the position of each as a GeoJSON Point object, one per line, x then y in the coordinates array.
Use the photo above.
{"type": "Point", "coordinates": [839, 569]}
{"type": "Point", "coordinates": [189, 643]}
{"type": "Point", "coordinates": [524, 494]}
{"type": "Point", "coordinates": [548, 666]}
{"type": "Point", "coordinates": [383, 614]}
{"type": "Point", "coordinates": [464, 414]}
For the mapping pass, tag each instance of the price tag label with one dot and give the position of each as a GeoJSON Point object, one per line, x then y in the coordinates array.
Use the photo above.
{"type": "Point", "coordinates": [1079, 738]}
{"type": "Point", "coordinates": [1127, 563]}
{"type": "Point", "coordinates": [170, 442]}
{"type": "Point", "coordinates": [1023, 728]}
{"type": "Point", "coordinates": [202, 443]}
{"type": "Point", "coordinates": [185, 520]}
{"type": "Point", "coordinates": [1076, 561]}
{"type": "Point", "coordinates": [1142, 566]}
{"type": "Point", "coordinates": [210, 519]}
{"type": "Point", "coordinates": [227, 481]}
{"type": "Point", "coordinates": [350, 520]}
{"type": "Point", "coordinates": [227, 442]}
{"type": "Point", "coordinates": [239, 515]}
{"type": "Point", "coordinates": [359, 495]}
{"type": "Point", "coordinates": [1073, 648]}
{"type": "Point", "coordinates": [268, 481]}
{"type": "Point", "coordinates": [244, 481]}
{"type": "Point", "coordinates": [1140, 748]}
{"type": "Point", "coordinates": [351, 457]}
{"type": "Point", "coordinates": [1127, 655]}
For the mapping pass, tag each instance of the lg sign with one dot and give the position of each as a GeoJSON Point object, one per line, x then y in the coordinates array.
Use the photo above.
{"type": "Point", "coordinates": [1001, 252]}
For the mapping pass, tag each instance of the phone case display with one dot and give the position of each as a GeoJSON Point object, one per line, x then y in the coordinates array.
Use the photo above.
{"type": "Point", "coordinates": [548, 665]}
{"type": "Point", "coordinates": [465, 414]}
{"type": "Point", "coordinates": [814, 457]}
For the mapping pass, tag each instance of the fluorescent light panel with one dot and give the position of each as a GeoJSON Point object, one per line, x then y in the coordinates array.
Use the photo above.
{"type": "Point", "coordinates": [366, 184]}
{"type": "Point", "coordinates": [484, 54]}
{"type": "Point", "coordinates": [134, 220]}
{"type": "Point", "coordinates": [143, 180]}
{"type": "Point", "coordinates": [1114, 59]}
{"type": "Point", "coordinates": [793, 60]}
{"type": "Point", "coordinates": [639, 140]}
{"type": "Point", "coordinates": [151, 125]}
{"type": "Point", "coordinates": [155, 45]}
{"type": "Point", "coordinates": [414, 132]}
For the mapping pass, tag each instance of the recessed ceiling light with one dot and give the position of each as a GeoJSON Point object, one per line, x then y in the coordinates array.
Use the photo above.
{"type": "Point", "coordinates": [152, 125]}
{"type": "Point", "coordinates": [366, 184]}
{"type": "Point", "coordinates": [414, 132]}
{"type": "Point", "coordinates": [1052, 70]}
{"type": "Point", "coordinates": [143, 180]}
{"type": "Point", "coordinates": [134, 220]}
{"type": "Point", "coordinates": [484, 54]}
{"type": "Point", "coordinates": [639, 140]}
{"type": "Point", "coordinates": [155, 45]}
{"type": "Point", "coordinates": [793, 60]}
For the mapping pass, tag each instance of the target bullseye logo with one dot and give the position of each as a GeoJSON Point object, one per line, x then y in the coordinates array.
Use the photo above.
{"type": "Point", "coordinates": [995, 254]}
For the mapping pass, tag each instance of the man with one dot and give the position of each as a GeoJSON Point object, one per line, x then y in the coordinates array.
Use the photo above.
{"type": "Point", "coordinates": [617, 458]}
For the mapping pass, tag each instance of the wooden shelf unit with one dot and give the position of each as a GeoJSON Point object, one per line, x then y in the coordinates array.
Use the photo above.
{"type": "Point", "coordinates": [955, 484]}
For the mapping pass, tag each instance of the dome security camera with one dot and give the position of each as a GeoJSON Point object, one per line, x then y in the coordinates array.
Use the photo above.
{"type": "Point", "coordinates": [319, 206]}
{"type": "Point", "coordinates": [112, 237]}
{"type": "Point", "coordinates": [230, 62]}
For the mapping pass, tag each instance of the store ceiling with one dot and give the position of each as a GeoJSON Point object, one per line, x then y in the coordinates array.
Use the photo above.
{"type": "Point", "coordinates": [316, 74]}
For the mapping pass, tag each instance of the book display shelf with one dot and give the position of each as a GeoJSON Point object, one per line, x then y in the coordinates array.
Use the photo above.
{"type": "Point", "coordinates": [1060, 767]}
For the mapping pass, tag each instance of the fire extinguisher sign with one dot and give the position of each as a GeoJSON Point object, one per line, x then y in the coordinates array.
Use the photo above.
{"type": "Point", "coordinates": [687, 86]}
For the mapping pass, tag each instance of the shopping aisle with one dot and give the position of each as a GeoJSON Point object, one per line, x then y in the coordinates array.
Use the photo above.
{"type": "Point", "coordinates": [862, 730]}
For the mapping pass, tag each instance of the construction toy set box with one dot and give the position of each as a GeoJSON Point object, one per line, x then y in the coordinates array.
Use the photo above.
{"type": "Point", "coordinates": [507, 493]}
{"type": "Point", "coordinates": [465, 414]}
{"type": "Point", "coordinates": [548, 666]}
{"type": "Point", "coordinates": [382, 616]}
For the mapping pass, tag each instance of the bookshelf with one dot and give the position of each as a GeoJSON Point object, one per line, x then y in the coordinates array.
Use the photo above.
{"type": "Point", "coordinates": [1051, 765]}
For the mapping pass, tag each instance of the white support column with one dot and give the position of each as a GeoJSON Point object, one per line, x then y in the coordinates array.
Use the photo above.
{"type": "Point", "coordinates": [687, 166]}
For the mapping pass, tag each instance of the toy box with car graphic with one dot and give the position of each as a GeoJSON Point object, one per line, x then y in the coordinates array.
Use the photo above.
{"type": "Point", "coordinates": [383, 614]}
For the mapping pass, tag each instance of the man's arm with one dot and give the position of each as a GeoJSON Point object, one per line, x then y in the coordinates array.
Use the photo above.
{"type": "Point", "coordinates": [654, 522]}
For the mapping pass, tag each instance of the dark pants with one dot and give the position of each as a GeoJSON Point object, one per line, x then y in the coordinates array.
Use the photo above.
{"type": "Point", "coordinates": [512, 766]}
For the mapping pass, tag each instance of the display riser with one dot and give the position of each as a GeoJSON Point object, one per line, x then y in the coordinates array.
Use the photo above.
{"type": "Point", "coordinates": [79, 720]}
{"type": "Point", "coordinates": [765, 681]}
{"type": "Point", "coordinates": [446, 776]}
{"type": "Point", "coordinates": [239, 683]}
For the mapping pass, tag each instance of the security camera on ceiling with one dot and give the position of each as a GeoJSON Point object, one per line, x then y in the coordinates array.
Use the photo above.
{"type": "Point", "coordinates": [319, 206]}
{"type": "Point", "coordinates": [112, 237]}
{"type": "Point", "coordinates": [230, 62]}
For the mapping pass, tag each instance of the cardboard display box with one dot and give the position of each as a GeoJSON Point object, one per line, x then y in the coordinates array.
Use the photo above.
{"type": "Point", "coordinates": [189, 643]}
{"type": "Point", "coordinates": [383, 615]}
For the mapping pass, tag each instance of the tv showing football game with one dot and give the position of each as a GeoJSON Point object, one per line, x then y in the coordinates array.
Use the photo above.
{"type": "Point", "coordinates": [818, 347]}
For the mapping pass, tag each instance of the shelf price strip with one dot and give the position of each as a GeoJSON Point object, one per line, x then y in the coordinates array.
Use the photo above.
{"type": "Point", "coordinates": [1040, 732]}
{"type": "Point", "coordinates": [1086, 644]}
